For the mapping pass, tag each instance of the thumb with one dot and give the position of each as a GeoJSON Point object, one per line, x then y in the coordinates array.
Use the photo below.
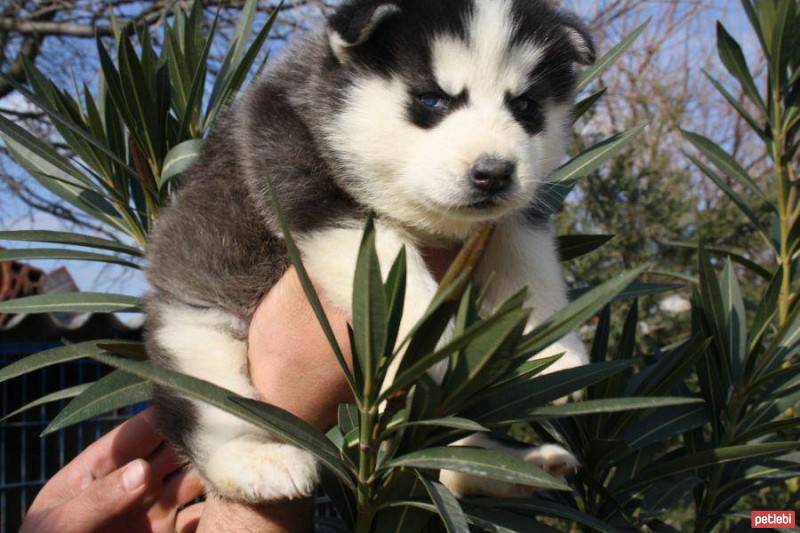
{"type": "Point", "coordinates": [108, 498]}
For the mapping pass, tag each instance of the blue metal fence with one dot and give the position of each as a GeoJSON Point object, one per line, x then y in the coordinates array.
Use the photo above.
{"type": "Point", "coordinates": [26, 459]}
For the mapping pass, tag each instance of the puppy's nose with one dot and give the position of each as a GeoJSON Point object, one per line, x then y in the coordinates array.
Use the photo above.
{"type": "Point", "coordinates": [492, 174]}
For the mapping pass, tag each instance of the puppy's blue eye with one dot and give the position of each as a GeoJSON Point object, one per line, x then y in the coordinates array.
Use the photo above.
{"type": "Point", "coordinates": [524, 105]}
{"type": "Point", "coordinates": [434, 101]}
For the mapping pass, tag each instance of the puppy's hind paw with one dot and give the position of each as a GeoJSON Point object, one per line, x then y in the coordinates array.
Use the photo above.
{"type": "Point", "coordinates": [254, 471]}
{"type": "Point", "coordinates": [553, 459]}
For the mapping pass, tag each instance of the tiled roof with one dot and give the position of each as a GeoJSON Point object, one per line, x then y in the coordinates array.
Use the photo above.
{"type": "Point", "coordinates": [18, 280]}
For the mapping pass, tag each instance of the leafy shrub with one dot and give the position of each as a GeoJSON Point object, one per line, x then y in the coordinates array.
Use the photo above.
{"type": "Point", "coordinates": [699, 423]}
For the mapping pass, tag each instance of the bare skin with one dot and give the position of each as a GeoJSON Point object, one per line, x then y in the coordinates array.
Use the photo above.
{"type": "Point", "coordinates": [129, 480]}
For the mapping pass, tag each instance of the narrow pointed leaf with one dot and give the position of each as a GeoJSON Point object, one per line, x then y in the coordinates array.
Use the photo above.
{"type": "Point", "coordinates": [665, 424]}
{"type": "Point", "coordinates": [609, 58]}
{"type": "Point", "coordinates": [708, 458]}
{"type": "Point", "coordinates": [74, 239]}
{"type": "Point", "coordinates": [489, 464]}
{"type": "Point", "coordinates": [114, 391]}
{"type": "Point", "coordinates": [447, 506]}
{"type": "Point", "coordinates": [606, 405]}
{"type": "Point", "coordinates": [64, 394]}
{"type": "Point", "coordinates": [265, 416]}
{"type": "Point", "coordinates": [574, 246]}
{"type": "Point", "coordinates": [585, 105]}
{"type": "Point", "coordinates": [311, 294]}
{"type": "Point", "coordinates": [504, 404]}
{"type": "Point", "coordinates": [29, 254]}
{"type": "Point", "coordinates": [54, 356]}
{"type": "Point", "coordinates": [575, 313]}
{"type": "Point", "coordinates": [179, 159]}
{"type": "Point", "coordinates": [724, 162]}
{"type": "Point", "coordinates": [733, 58]}
{"type": "Point", "coordinates": [736, 321]}
{"type": "Point", "coordinates": [592, 158]}
{"type": "Point", "coordinates": [72, 302]}
{"type": "Point", "coordinates": [369, 310]}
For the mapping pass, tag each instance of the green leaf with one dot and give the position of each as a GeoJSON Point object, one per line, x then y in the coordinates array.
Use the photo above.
{"type": "Point", "coordinates": [369, 312]}
{"type": "Point", "coordinates": [490, 520]}
{"type": "Point", "coordinates": [770, 428]}
{"type": "Point", "coordinates": [487, 357]}
{"type": "Point", "coordinates": [507, 403]}
{"type": "Point", "coordinates": [41, 160]}
{"type": "Point", "coordinates": [733, 58]}
{"type": "Point", "coordinates": [592, 158]}
{"type": "Point", "coordinates": [583, 107]}
{"type": "Point", "coordinates": [736, 321]}
{"type": "Point", "coordinates": [670, 368]}
{"type": "Point", "coordinates": [74, 239]}
{"type": "Point", "coordinates": [179, 159]}
{"type": "Point", "coordinates": [53, 357]}
{"type": "Point", "coordinates": [734, 102]}
{"type": "Point", "coordinates": [311, 293]}
{"type": "Point", "coordinates": [28, 254]}
{"type": "Point", "coordinates": [605, 405]}
{"type": "Point", "coordinates": [494, 327]}
{"type": "Point", "coordinates": [610, 57]}
{"type": "Point", "coordinates": [63, 394]}
{"type": "Point", "coordinates": [706, 458]}
{"type": "Point", "coordinates": [395, 299]}
{"type": "Point", "coordinates": [575, 313]}
{"type": "Point", "coordinates": [348, 418]}
{"type": "Point", "coordinates": [639, 289]}
{"type": "Point", "coordinates": [446, 504]}
{"type": "Point", "coordinates": [740, 202]}
{"type": "Point", "coordinates": [737, 256]}
{"type": "Point", "coordinates": [238, 61]}
{"type": "Point", "coordinates": [574, 246]}
{"type": "Point", "coordinates": [725, 163]}
{"type": "Point", "coordinates": [544, 507]}
{"type": "Point", "coordinates": [497, 521]}
{"type": "Point", "coordinates": [72, 302]}
{"type": "Point", "coordinates": [665, 424]}
{"type": "Point", "coordinates": [527, 370]}
{"type": "Point", "coordinates": [279, 422]}
{"type": "Point", "coordinates": [489, 464]}
{"type": "Point", "coordinates": [340, 495]}
{"type": "Point", "coordinates": [452, 422]}
{"type": "Point", "coordinates": [114, 391]}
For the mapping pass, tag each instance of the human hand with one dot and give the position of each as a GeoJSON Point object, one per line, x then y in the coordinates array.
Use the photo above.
{"type": "Point", "coordinates": [129, 480]}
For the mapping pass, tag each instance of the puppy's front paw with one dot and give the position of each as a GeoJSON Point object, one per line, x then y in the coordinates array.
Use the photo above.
{"type": "Point", "coordinates": [253, 471]}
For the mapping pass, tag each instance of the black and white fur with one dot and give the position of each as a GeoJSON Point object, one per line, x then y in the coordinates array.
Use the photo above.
{"type": "Point", "coordinates": [399, 107]}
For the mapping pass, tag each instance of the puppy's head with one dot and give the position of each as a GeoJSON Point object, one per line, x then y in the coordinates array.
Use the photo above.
{"type": "Point", "coordinates": [453, 111]}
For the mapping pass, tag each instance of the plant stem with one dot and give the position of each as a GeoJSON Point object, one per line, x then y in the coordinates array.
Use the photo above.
{"type": "Point", "coordinates": [785, 204]}
{"type": "Point", "coordinates": [367, 461]}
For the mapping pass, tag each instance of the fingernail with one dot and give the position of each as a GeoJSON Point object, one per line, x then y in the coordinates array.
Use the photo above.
{"type": "Point", "coordinates": [133, 475]}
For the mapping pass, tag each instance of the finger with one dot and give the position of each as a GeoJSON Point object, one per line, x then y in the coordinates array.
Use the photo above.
{"type": "Point", "coordinates": [131, 440]}
{"type": "Point", "coordinates": [182, 488]}
{"type": "Point", "coordinates": [109, 498]}
{"type": "Point", "coordinates": [189, 518]}
{"type": "Point", "coordinates": [134, 439]}
{"type": "Point", "coordinates": [165, 461]}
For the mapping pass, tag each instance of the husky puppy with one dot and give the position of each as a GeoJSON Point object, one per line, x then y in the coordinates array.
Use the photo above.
{"type": "Point", "coordinates": [438, 116]}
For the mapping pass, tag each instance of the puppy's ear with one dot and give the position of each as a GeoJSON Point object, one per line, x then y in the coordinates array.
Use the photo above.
{"type": "Point", "coordinates": [581, 41]}
{"type": "Point", "coordinates": [355, 22]}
